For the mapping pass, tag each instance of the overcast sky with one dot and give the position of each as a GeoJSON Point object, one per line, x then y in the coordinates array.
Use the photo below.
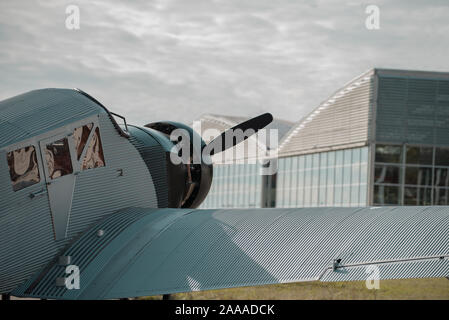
{"type": "Point", "coordinates": [178, 59]}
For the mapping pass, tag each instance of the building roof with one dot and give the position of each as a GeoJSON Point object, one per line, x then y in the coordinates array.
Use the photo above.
{"type": "Point", "coordinates": [345, 119]}
{"type": "Point", "coordinates": [38, 111]}
{"type": "Point", "coordinates": [341, 121]}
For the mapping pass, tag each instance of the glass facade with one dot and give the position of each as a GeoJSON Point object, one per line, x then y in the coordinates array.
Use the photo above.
{"type": "Point", "coordinates": [413, 110]}
{"type": "Point", "coordinates": [334, 178]}
{"type": "Point", "coordinates": [235, 186]}
{"type": "Point", "coordinates": [405, 160]}
{"type": "Point", "coordinates": [411, 175]}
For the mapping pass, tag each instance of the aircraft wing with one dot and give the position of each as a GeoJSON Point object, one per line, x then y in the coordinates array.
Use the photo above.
{"type": "Point", "coordinates": [141, 251]}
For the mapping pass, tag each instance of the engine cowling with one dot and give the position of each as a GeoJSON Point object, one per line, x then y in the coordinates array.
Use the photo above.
{"type": "Point", "coordinates": [189, 181]}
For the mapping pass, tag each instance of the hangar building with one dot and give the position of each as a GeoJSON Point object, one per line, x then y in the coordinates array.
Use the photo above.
{"type": "Point", "coordinates": [382, 139]}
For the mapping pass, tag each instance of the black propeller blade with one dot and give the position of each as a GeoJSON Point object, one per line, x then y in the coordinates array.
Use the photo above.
{"type": "Point", "coordinates": [233, 136]}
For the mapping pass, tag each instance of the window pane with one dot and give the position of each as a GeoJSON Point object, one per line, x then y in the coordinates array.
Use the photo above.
{"type": "Point", "coordinates": [348, 156]}
{"type": "Point", "coordinates": [58, 159]}
{"type": "Point", "coordinates": [387, 153]}
{"type": "Point", "coordinates": [338, 168]}
{"type": "Point", "coordinates": [331, 158]}
{"type": "Point", "coordinates": [23, 168]}
{"type": "Point", "coordinates": [355, 195]}
{"type": "Point", "coordinates": [441, 177]}
{"type": "Point", "coordinates": [323, 159]}
{"type": "Point", "coordinates": [339, 158]}
{"type": "Point", "coordinates": [419, 155]}
{"type": "Point", "coordinates": [337, 195]}
{"type": "Point", "coordinates": [94, 156]}
{"type": "Point", "coordinates": [330, 195]}
{"type": "Point", "coordinates": [387, 174]}
{"type": "Point", "coordinates": [362, 195]}
{"type": "Point", "coordinates": [80, 136]}
{"type": "Point", "coordinates": [418, 176]}
{"type": "Point", "coordinates": [386, 195]}
{"type": "Point", "coordinates": [330, 176]}
{"type": "Point", "coordinates": [441, 196]}
{"type": "Point", "coordinates": [355, 174]}
{"type": "Point", "coordinates": [308, 161]}
{"type": "Point", "coordinates": [363, 173]}
{"type": "Point", "coordinates": [417, 196]}
{"type": "Point", "coordinates": [442, 157]}
{"type": "Point", "coordinates": [356, 155]}
{"type": "Point", "coordinates": [346, 196]}
{"type": "Point", "coordinates": [347, 175]}
{"type": "Point", "coordinates": [364, 155]}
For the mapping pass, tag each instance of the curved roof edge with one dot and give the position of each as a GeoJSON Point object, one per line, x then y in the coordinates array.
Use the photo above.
{"type": "Point", "coordinates": [326, 104]}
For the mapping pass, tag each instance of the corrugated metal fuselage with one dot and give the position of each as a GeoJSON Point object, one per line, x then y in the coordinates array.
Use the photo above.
{"type": "Point", "coordinates": [27, 224]}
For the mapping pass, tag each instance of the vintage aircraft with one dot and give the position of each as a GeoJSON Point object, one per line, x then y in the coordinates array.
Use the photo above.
{"type": "Point", "coordinates": [90, 209]}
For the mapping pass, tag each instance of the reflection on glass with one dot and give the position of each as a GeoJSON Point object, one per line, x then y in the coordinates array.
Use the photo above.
{"type": "Point", "coordinates": [387, 153]}
{"type": "Point", "coordinates": [80, 136]}
{"type": "Point", "coordinates": [419, 155]}
{"type": "Point", "coordinates": [417, 196]}
{"type": "Point", "coordinates": [441, 177]}
{"type": "Point", "coordinates": [386, 195]}
{"type": "Point", "coordinates": [387, 174]}
{"type": "Point", "coordinates": [442, 156]}
{"type": "Point", "coordinates": [94, 155]}
{"type": "Point", "coordinates": [57, 156]}
{"type": "Point", "coordinates": [441, 196]}
{"type": "Point", "coordinates": [420, 176]}
{"type": "Point", "coordinates": [23, 168]}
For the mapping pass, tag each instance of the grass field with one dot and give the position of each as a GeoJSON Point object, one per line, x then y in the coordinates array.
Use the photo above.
{"type": "Point", "coordinates": [389, 289]}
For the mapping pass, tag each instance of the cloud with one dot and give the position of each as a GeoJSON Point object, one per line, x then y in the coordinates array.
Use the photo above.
{"type": "Point", "coordinates": [156, 60]}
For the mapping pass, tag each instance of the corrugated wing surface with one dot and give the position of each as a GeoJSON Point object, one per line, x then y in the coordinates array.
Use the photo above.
{"type": "Point", "coordinates": [157, 251]}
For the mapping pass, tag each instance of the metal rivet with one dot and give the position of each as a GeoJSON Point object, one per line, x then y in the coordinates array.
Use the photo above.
{"type": "Point", "coordinates": [100, 233]}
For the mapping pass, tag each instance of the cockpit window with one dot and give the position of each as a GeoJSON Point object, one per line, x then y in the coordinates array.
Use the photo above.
{"type": "Point", "coordinates": [80, 137]}
{"type": "Point", "coordinates": [94, 155]}
{"type": "Point", "coordinates": [23, 167]}
{"type": "Point", "coordinates": [57, 155]}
